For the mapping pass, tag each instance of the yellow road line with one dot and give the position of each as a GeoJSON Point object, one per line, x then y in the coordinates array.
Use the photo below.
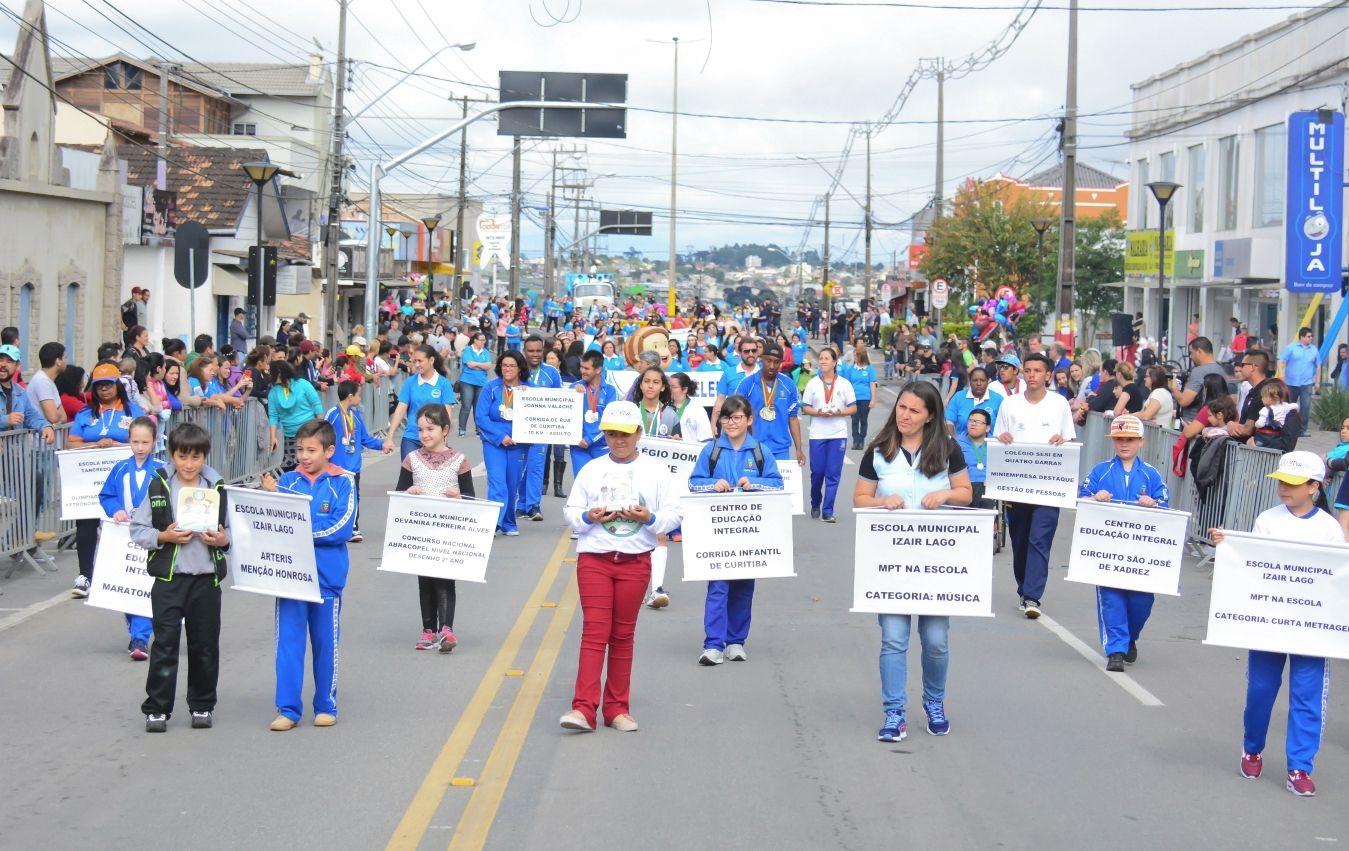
{"type": "Point", "coordinates": [417, 818]}
{"type": "Point", "coordinates": [471, 833]}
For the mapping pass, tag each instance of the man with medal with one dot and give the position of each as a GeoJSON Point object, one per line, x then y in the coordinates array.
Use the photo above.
{"type": "Point", "coordinates": [540, 375]}
{"type": "Point", "coordinates": [777, 406]}
{"type": "Point", "coordinates": [598, 394]}
{"type": "Point", "coordinates": [748, 347]}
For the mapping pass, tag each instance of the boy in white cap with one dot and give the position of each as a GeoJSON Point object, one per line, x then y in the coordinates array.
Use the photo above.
{"type": "Point", "coordinates": [1125, 478]}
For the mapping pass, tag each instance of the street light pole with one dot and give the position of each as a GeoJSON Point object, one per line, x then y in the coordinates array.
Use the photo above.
{"type": "Point", "coordinates": [1040, 225]}
{"type": "Point", "coordinates": [674, 184]}
{"type": "Point", "coordinates": [1163, 191]}
{"type": "Point", "coordinates": [430, 223]}
{"type": "Point", "coordinates": [866, 277]}
{"type": "Point", "coordinates": [260, 172]}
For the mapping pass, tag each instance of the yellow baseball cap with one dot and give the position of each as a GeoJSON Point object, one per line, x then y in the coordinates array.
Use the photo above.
{"type": "Point", "coordinates": [621, 416]}
{"type": "Point", "coordinates": [1298, 468]}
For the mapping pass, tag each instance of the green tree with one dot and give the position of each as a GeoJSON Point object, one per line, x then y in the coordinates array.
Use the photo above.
{"type": "Point", "coordinates": [1100, 262]}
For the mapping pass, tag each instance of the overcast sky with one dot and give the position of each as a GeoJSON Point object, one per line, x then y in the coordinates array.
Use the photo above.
{"type": "Point", "coordinates": [740, 180]}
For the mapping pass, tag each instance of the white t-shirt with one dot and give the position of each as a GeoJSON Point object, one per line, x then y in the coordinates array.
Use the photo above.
{"type": "Point", "coordinates": [604, 481]}
{"type": "Point", "coordinates": [1278, 522]}
{"type": "Point", "coordinates": [693, 423]}
{"type": "Point", "coordinates": [1166, 411]}
{"type": "Point", "coordinates": [1035, 422]}
{"type": "Point", "coordinates": [841, 396]}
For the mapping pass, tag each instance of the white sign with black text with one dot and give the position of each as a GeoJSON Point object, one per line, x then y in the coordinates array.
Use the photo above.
{"type": "Point", "coordinates": [1280, 596]}
{"type": "Point", "coordinates": [704, 384]}
{"type": "Point", "coordinates": [120, 581]}
{"type": "Point", "coordinates": [271, 544]}
{"type": "Point", "coordinates": [678, 455]}
{"type": "Point", "coordinates": [546, 415]}
{"type": "Point", "coordinates": [794, 483]}
{"type": "Point", "coordinates": [1035, 473]}
{"type": "Point", "coordinates": [83, 472]}
{"type": "Point", "coordinates": [439, 536]}
{"type": "Point", "coordinates": [1128, 547]}
{"type": "Point", "coordinates": [738, 536]}
{"type": "Point", "coordinates": [915, 562]}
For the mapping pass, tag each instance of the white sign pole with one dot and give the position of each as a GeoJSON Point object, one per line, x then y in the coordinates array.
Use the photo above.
{"type": "Point", "coordinates": [915, 562]}
{"type": "Point", "coordinates": [547, 415]}
{"type": "Point", "coordinates": [82, 473]}
{"type": "Point", "coordinates": [438, 536]}
{"type": "Point", "coordinates": [1128, 547]}
{"type": "Point", "coordinates": [271, 544]}
{"type": "Point", "coordinates": [1035, 473]}
{"type": "Point", "coordinates": [738, 536]}
{"type": "Point", "coordinates": [120, 581]}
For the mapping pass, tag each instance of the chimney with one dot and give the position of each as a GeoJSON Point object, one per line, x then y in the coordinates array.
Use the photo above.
{"type": "Point", "coordinates": [315, 67]}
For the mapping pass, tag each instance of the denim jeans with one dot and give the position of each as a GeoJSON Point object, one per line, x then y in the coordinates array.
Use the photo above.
{"type": "Point", "coordinates": [859, 422]}
{"type": "Point", "coordinates": [468, 401]}
{"type": "Point", "coordinates": [932, 632]}
{"type": "Point", "coordinates": [1302, 394]}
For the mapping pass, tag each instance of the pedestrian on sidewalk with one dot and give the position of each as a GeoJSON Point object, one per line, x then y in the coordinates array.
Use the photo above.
{"type": "Point", "coordinates": [125, 489]}
{"type": "Point", "coordinates": [828, 400]}
{"type": "Point", "coordinates": [1300, 368]}
{"type": "Point", "coordinates": [912, 464]}
{"type": "Point", "coordinates": [862, 375]}
{"type": "Point", "coordinates": [1304, 517]}
{"type": "Point", "coordinates": [618, 504]}
{"type": "Point", "coordinates": [332, 498]}
{"type": "Point", "coordinates": [1121, 613]}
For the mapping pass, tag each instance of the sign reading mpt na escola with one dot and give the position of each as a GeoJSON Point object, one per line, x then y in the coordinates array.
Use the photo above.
{"type": "Point", "coordinates": [1314, 244]}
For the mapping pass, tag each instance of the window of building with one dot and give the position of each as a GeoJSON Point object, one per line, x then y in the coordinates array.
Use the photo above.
{"type": "Point", "coordinates": [1166, 166]}
{"type": "Point", "coordinates": [245, 129]}
{"type": "Point", "coordinates": [72, 310]}
{"type": "Point", "coordinates": [120, 75]}
{"type": "Point", "coordinates": [1145, 201]}
{"type": "Point", "coordinates": [1270, 165]}
{"type": "Point", "coordinates": [1229, 159]}
{"type": "Point", "coordinates": [26, 317]}
{"type": "Point", "coordinates": [1194, 187]}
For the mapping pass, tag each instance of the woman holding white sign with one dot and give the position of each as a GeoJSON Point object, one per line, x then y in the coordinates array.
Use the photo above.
{"type": "Point", "coordinates": [503, 457]}
{"type": "Point", "coordinates": [830, 403]}
{"type": "Point", "coordinates": [913, 464]}
{"type": "Point", "coordinates": [734, 462]}
{"type": "Point", "coordinates": [1304, 516]}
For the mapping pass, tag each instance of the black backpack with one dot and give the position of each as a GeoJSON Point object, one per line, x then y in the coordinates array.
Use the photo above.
{"type": "Point", "coordinates": [716, 456]}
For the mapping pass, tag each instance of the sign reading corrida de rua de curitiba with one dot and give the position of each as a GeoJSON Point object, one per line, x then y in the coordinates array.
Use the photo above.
{"type": "Point", "coordinates": [1313, 221]}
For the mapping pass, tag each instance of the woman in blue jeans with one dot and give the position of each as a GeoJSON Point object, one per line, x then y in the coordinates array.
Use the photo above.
{"type": "Point", "coordinates": [913, 465]}
{"type": "Point", "coordinates": [477, 367]}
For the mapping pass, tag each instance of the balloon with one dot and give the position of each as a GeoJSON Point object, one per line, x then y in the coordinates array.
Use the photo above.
{"type": "Point", "coordinates": [1002, 320]}
{"type": "Point", "coordinates": [986, 332]}
{"type": "Point", "coordinates": [974, 310]}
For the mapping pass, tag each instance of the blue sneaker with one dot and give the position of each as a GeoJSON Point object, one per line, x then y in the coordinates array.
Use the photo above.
{"type": "Point", "coordinates": [894, 730]}
{"type": "Point", "coordinates": [937, 724]}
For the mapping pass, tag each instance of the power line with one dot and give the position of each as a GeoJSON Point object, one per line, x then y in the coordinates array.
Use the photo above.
{"type": "Point", "coordinates": [940, 7]}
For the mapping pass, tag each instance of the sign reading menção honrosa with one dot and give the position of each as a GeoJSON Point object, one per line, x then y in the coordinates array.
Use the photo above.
{"type": "Point", "coordinates": [1314, 247]}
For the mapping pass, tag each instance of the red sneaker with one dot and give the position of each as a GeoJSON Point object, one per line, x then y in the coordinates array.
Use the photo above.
{"type": "Point", "coordinates": [1300, 784]}
{"type": "Point", "coordinates": [1251, 763]}
{"type": "Point", "coordinates": [446, 640]}
{"type": "Point", "coordinates": [427, 641]}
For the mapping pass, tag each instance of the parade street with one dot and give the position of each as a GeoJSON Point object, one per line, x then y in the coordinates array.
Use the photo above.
{"type": "Point", "coordinates": [1046, 749]}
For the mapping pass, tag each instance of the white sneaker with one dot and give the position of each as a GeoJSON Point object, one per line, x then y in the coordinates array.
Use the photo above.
{"type": "Point", "coordinates": [512, 533]}
{"type": "Point", "coordinates": [657, 599]}
{"type": "Point", "coordinates": [574, 536]}
{"type": "Point", "coordinates": [356, 536]}
{"type": "Point", "coordinates": [81, 589]}
{"type": "Point", "coordinates": [711, 657]}
{"type": "Point", "coordinates": [574, 720]}
{"type": "Point", "coordinates": [736, 653]}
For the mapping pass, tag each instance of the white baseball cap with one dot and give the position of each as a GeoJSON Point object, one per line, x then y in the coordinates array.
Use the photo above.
{"type": "Point", "coordinates": [621, 416]}
{"type": "Point", "coordinates": [1298, 468]}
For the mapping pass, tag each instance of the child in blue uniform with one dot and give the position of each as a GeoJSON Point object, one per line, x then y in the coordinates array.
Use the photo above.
{"type": "Point", "coordinates": [352, 438]}
{"type": "Point", "coordinates": [332, 510]}
{"type": "Point", "coordinates": [123, 490]}
{"type": "Point", "coordinates": [735, 461]}
{"type": "Point", "coordinates": [598, 395]}
{"type": "Point", "coordinates": [1124, 478]}
{"type": "Point", "coordinates": [1303, 517]}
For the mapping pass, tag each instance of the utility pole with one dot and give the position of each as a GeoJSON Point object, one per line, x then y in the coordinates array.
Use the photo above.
{"type": "Point", "coordinates": [515, 222]}
{"type": "Point", "coordinates": [1067, 279]}
{"type": "Point", "coordinates": [674, 182]}
{"type": "Point", "coordinates": [459, 218]}
{"type": "Point", "coordinates": [824, 280]}
{"type": "Point", "coordinates": [550, 232]}
{"type": "Point", "coordinates": [165, 126]}
{"type": "Point", "coordinates": [941, 164]}
{"type": "Point", "coordinates": [866, 277]}
{"type": "Point", "coordinates": [333, 233]}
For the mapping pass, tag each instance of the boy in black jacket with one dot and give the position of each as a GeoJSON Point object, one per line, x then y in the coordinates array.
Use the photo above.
{"type": "Point", "coordinates": [188, 567]}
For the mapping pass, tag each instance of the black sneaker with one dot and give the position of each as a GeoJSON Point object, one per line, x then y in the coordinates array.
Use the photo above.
{"type": "Point", "coordinates": [156, 723]}
{"type": "Point", "coordinates": [1132, 656]}
{"type": "Point", "coordinates": [201, 721]}
{"type": "Point", "coordinates": [1115, 664]}
{"type": "Point", "coordinates": [815, 514]}
{"type": "Point", "coordinates": [536, 515]}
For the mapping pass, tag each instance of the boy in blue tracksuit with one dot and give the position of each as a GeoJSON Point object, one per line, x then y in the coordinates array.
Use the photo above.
{"type": "Point", "coordinates": [332, 510]}
{"type": "Point", "coordinates": [125, 488]}
{"type": "Point", "coordinates": [352, 439]}
{"type": "Point", "coordinates": [598, 394]}
{"type": "Point", "coordinates": [735, 461]}
{"type": "Point", "coordinates": [1124, 478]}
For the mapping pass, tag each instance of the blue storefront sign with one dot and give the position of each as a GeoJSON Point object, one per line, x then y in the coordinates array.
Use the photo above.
{"type": "Point", "coordinates": [1313, 242]}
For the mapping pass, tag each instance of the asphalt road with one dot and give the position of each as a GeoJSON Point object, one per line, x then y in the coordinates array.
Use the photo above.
{"type": "Point", "coordinates": [1046, 750]}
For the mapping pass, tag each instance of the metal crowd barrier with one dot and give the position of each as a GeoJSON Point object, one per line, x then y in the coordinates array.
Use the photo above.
{"type": "Point", "coordinates": [240, 439]}
{"type": "Point", "coordinates": [19, 503]}
{"type": "Point", "coordinates": [377, 401]}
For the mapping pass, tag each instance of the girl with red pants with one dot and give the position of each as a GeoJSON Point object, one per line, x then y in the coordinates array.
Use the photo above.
{"type": "Point", "coordinates": [618, 504]}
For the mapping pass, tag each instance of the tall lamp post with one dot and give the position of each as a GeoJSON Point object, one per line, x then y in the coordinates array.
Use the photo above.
{"type": "Point", "coordinates": [430, 223]}
{"type": "Point", "coordinates": [1163, 191]}
{"type": "Point", "coordinates": [1041, 225]}
{"type": "Point", "coordinates": [261, 173]}
{"type": "Point", "coordinates": [392, 231]}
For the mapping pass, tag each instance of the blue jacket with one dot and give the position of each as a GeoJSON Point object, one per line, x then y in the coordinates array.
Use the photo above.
{"type": "Point", "coordinates": [487, 416]}
{"type": "Point", "coordinates": [332, 512]}
{"type": "Point", "coordinates": [734, 464]}
{"type": "Point", "coordinates": [775, 434]}
{"type": "Point", "coordinates": [348, 453]}
{"type": "Point", "coordinates": [32, 417]}
{"type": "Point", "coordinates": [591, 431]}
{"type": "Point", "coordinates": [543, 376]}
{"type": "Point", "coordinates": [976, 458]}
{"type": "Point", "coordinates": [290, 410]}
{"type": "Point", "coordinates": [120, 483]}
{"type": "Point", "coordinates": [1126, 486]}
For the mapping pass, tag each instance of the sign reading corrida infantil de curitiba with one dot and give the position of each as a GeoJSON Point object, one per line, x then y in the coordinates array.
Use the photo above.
{"type": "Point", "coordinates": [1313, 236]}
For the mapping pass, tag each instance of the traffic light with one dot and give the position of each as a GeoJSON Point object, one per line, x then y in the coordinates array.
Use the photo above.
{"type": "Point", "coordinates": [268, 275]}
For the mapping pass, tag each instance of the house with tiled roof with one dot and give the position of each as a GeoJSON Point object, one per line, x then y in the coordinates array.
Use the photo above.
{"type": "Point", "coordinates": [1097, 191]}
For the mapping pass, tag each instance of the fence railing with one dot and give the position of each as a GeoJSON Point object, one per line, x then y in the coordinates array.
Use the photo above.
{"type": "Point", "coordinates": [30, 497]}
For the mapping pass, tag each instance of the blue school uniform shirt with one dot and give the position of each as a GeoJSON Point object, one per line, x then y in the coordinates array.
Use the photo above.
{"type": "Point", "coordinates": [476, 377]}
{"type": "Point", "coordinates": [861, 378]}
{"type": "Point", "coordinates": [733, 465]}
{"type": "Point", "coordinates": [544, 375]}
{"type": "Point", "coordinates": [332, 511]}
{"type": "Point", "coordinates": [417, 392]}
{"type": "Point", "coordinates": [513, 336]}
{"type": "Point", "coordinates": [976, 457]}
{"type": "Point", "coordinates": [493, 427]}
{"type": "Point", "coordinates": [1126, 485]}
{"type": "Point", "coordinates": [127, 484]}
{"type": "Point", "coordinates": [962, 404]}
{"type": "Point", "coordinates": [799, 349]}
{"type": "Point", "coordinates": [350, 439]}
{"type": "Point", "coordinates": [774, 434]}
{"type": "Point", "coordinates": [114, 424]}
{"type": "Point", "coordinates": [591, 431]}
{"type": "Point", "coordinates": [732, 379]}
{"type": "Point", "coordinates": [615, 364]}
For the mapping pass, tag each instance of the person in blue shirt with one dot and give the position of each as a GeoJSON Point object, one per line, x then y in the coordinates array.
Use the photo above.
{"type": "Point", "coordinates": [1300, 366]}
{"type": "Point", "coordinates": [503, 457]}
{"type": "Point", "coordinates": [1129, 479]}
{"type": "Point", "coordinates": [735, 461]}
{"type": "Point", "coordinates": [777, 423]}
{"type": "Point", "coordinates": [613, 361]}
{"type": "Point", "coordinates": [105, 423]}
{"type": "Point", "coordinates": [124, 489]}
{"type": "Point", "coordinates": [734, 375]}
{"type": "Point", "coordinates": [426, 385]}
{"type": "Point", "coordinates": [598, 394]}
{"type": "Point", "coordinates": [799, 346]}
{"type": "Point", "coordinates": [538, 374]}
{"type": "Point", "coordinates": [976, 397]}
{"type": "Point", "coordinates": [862, 375]}
{"type": "Point", "coordinates": [477, 366]}
{"type": "Point", "coordinates": [332, 512]}
{"type": "Point", "coordinates": [513, 333]}
{"type": "Point", "coordinates": [678, 363]}
{"type": "Point", "coordinates": [352, 437]}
